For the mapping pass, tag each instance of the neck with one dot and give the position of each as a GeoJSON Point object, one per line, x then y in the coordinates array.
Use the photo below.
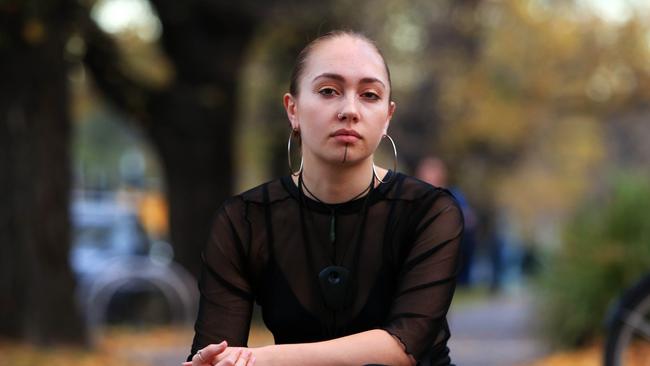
{"type": "Point", "coordinates": [337, 183]}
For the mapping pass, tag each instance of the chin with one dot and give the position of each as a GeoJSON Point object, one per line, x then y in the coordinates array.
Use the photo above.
{"type": "Point", "coordinates": [352, 159]}
{"type": "Point", "coordinates": [355, 155]}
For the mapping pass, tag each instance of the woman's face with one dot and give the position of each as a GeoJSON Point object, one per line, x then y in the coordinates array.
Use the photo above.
{"type": "Point", "coordinates": [342, 108]}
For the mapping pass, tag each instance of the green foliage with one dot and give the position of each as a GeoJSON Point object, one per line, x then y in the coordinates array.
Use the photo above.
{"type": "Point", "coordinates": [606, 248]}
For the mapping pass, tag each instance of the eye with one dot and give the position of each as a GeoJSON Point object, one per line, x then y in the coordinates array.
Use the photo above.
{"type": "Point", "coordinates": [370, 96]}
{"type": "Point", "coordinates": [328, 92]}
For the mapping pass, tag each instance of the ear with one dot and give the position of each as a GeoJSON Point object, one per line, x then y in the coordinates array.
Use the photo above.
{"type": "Point", "coordinates": [391, 110]}
{"type": "Point", "coordinates": [290, 106]}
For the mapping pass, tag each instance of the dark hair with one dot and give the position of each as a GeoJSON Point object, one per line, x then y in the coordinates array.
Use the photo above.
{"type": "Point", "coordinates": [299, 66]}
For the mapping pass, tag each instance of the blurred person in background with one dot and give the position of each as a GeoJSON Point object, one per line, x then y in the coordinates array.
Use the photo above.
{"type": "Point", "coordinates": [351, 263]}
{"type": "Point", "coordinates": [434, 171]}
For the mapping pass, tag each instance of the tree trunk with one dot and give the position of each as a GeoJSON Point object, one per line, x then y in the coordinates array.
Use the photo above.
{"type": "Point", "coordinates": [195, 145]}
{"type": "Point", "coordinates": [36, 284]}
{"type": "Point", "coordinates": [190, 121]}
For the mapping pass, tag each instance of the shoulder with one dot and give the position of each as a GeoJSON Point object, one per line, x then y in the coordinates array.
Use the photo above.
{"type": "Point", "coordinates": [432, 209]}
{"type": "Point", "coordinates": [425, 203]}
{"type": "Point", "coordinates": [267, 192]}
{"type": "Point", "coordinates": [236, 213]}
{"type": "Point", "coordinates": [270, 191]}
{"type": "Point", "coordinates": [241, 205]}
{"type": "Point", "coordinates": [413, 189]}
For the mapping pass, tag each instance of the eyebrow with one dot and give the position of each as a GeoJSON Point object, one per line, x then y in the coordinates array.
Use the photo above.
{"type": "Point", "coordinates": [338, 77]}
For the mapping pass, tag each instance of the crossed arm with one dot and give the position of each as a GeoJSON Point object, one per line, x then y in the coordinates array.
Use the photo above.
{"type": "Point", "coordinates": [370, 347]}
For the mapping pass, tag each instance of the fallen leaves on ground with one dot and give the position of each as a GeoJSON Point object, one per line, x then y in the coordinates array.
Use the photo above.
{"type": "Point", "coordinates": [591, 356]}
{"type": "Point", "coordinates": [113, 348]}
{"type": "Point", "coordinates": [636, 354]}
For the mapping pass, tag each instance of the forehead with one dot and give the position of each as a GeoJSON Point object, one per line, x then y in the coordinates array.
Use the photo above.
{"type": "Point", "coordinates": [353, 58]}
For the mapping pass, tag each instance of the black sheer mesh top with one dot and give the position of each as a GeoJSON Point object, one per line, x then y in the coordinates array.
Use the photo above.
{"type": "Point", "coordinates": [395, 252]}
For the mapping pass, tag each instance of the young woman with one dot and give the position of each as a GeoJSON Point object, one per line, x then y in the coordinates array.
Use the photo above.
{"type": "Point", "coordinates": [351, 263]}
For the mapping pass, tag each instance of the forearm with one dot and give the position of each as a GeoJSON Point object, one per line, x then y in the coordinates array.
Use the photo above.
{"type": "Point", "coordinates": [370, 347]}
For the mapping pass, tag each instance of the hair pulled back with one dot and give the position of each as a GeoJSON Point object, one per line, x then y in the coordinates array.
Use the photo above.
{"type": "Point", "coordinates": [301, 60]}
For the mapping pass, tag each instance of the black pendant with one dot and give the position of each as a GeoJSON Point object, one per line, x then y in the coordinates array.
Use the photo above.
{"type": "Point", "coordinates": [334, 281]}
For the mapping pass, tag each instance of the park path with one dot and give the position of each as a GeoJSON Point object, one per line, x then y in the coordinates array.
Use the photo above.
{"type": "Point", "coordinates": [496, 331]}
{"type": "Point", "coordinates": [160, 356]}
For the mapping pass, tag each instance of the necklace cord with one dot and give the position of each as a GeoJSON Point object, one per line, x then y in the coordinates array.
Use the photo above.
{"type": "Point", "coordinates": [331, 327]}
{"type": "Point", "coordinates": [301, 182]}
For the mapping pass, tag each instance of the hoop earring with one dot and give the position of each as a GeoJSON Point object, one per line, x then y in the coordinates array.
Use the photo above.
{"type": "Point", "coordinates": [374, 171]}
{"type": "Point", "coordinates": [296, 133]}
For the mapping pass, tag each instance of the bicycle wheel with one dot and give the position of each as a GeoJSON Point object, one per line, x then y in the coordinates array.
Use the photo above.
{"type": "Point", "coordinates": [628, 336]}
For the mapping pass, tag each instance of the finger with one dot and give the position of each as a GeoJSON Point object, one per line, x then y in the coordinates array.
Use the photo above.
{"type": "Point", "coordinates": [186, 364]}
{"type": "Point", "coordinates": [211, 352]}
{"type": "Point", "coordinates": [251, 361]}
{"type": "Point", "coordinates": [198, 359]}
{"type": "Point", "coordinates": [207, 354]}
{"type": "Point", "coordinates": [225, 354]}
{"type": "Point", "coordinates": [243, 358]}
{"type": "Point", "coordinates": [231, 359]}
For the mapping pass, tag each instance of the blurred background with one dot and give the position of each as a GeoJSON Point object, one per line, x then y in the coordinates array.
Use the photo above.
{"type": "Point", "coordinates": [125, 123]}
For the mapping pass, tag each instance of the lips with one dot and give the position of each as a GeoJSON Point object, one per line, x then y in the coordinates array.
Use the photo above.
{"type": "Point", "coordinates": [346, 136]}
{"type": "Point", "coordinates": [346, 132]}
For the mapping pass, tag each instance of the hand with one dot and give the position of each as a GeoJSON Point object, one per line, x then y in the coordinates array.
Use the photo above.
{"type": "Point", "coordinates": [207, 355]}
{"type": "Point", "coordinates": [222, 355]}
{"type": "Point", "coordinates": [236, 356]}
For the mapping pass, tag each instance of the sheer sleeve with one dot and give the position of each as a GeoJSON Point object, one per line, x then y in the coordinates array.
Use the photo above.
{"type": "Point", "coordinates": [427, 279]}
{"type": "Point", "coordinates": [226, 301]}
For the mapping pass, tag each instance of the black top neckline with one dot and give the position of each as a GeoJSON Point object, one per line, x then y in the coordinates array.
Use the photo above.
{"type": "Point", "coordinates": [353, 206]}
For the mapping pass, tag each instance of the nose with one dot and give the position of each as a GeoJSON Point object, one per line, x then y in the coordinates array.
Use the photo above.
{"type": "Point", "coordinates": [349, 110]}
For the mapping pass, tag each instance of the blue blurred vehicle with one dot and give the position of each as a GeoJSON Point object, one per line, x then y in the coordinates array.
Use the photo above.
{"type": "Point", "coordinates": [118, 268]}
{"type": "Point", "coordinates": [103, 230]}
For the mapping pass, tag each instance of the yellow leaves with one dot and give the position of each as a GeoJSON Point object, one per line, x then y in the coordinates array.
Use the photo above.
{"type": "Point", "coordinates": [591, 356]}
{"type": "Point", "coordinates": [555, 172]}
{"type": "Point", "coordinates": [117, 348]}
{"type": "Point", "coordinates": [523, 191]}
{"type": "Point", "coordinates": [610, 81]}
{"type": "Point", "coordinates": [496, 122]}
{"type": "Point", "coordinates": [637, 354]}
{"type": "Point", "coordinates": [561, 56]}
{"type": "Point", "coordinates": [578, 142]}
{"type": "Point", "coordinates": [14, 354]}
{"type": "Point", "coordinates": [533, 105]}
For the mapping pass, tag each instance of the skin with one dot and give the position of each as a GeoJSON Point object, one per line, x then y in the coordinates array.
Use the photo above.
{"type": "Point", "coordinates": [343, 76]}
